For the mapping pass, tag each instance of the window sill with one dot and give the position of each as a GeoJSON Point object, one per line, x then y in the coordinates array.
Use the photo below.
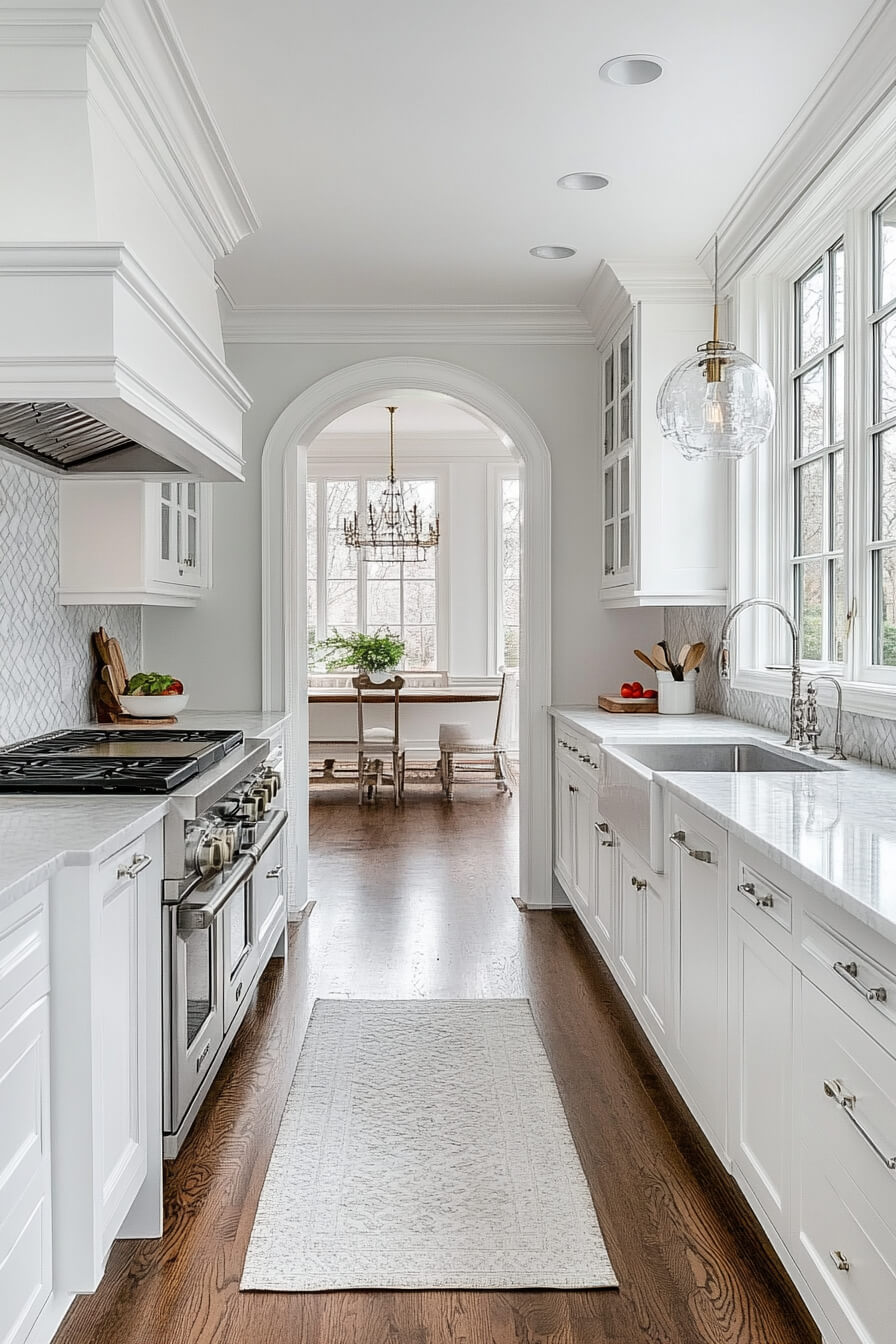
{"type": "Point", "coordinates": [859, 697]}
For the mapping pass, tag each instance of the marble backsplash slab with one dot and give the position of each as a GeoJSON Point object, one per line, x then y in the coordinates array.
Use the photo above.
{"type": "Point", "coordinates": [865, 737]}
{"type": "Point", "coordinates": [46, 665]}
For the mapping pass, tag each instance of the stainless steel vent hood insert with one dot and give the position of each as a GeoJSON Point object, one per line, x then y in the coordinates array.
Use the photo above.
{"type": "Point", "coordinates": [58, 435]}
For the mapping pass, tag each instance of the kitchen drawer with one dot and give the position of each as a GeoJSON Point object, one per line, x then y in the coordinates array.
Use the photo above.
{"type": "Point", "coordinates": [24, 1096]}
{"type": "Point", "coordinates": [124, 865]}
{"type": "Point", "coordinates": [853, 976]}
{"type": "Point", "coordinates": [24, 944]}
{"type": "Point", "coordinates": [763, 904]}
{"type": "Point", "coordinates": [847, 1187]}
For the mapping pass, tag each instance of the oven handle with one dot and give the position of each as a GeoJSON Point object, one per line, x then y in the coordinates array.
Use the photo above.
{"type": "Point", "coordinates": [272, 829]}
{"type": "Point", "coordinates": [192, 918]}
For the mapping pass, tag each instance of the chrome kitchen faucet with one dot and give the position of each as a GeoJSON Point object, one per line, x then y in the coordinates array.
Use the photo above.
{"type": "Point", "coordinates": [797, 728]}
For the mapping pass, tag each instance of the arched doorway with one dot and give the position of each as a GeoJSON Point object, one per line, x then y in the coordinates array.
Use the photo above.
{"type": "Point", "coordinates": [283, 578]}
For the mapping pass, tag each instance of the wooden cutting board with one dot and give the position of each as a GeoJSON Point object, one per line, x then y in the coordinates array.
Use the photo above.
{"type": "Point", "coordinates": [617, 704]}
{"type": "Point", "coordinates": [111, 682]}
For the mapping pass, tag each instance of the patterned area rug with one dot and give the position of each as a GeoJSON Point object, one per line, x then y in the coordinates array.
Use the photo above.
{"type": "Point", "coordinates": [424, 1145]}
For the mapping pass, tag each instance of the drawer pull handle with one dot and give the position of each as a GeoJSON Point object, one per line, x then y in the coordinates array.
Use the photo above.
{"type": "Point", "coordinates": [749, 889]}
{"type": "Point", "coordinates": [602, 827]}
{"type": "Point", "coordinates": [840, 1261]}
{"type": "Point", "coordinates": [849, 971]}
{"type": "Point", "coordinates": [638, 883]}
{"type": "Point", "coordinates": [586, 760]}
{"type": "Point", "coordinates": [699, 855]}
{"type": "Point", "coordinates": [275, 872]}
{"type": "Point", "coordinates": [137, 864]}
{"type": "Point", "coordinates": [847, 1103]}
{"type": "Point", "coordinates": [608, 844]}
{"type": "Point", "coordinates": [572, 788]}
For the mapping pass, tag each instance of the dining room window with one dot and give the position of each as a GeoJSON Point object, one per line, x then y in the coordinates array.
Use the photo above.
{"type": "Point", "coordinates": [509, 578]}
{"type": "Point", "coordinates": [347, 594]}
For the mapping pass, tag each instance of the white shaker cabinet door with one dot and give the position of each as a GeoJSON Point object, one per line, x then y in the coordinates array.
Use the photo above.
{"type": "Point", "coordinates": [761, 989]}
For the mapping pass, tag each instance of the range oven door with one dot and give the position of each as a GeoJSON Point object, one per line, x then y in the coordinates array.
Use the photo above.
{"type": "Point", "coordinates": [196, 938]}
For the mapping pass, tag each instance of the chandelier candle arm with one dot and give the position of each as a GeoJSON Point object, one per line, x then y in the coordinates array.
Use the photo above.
{"type": "Point", "coordinates": [392, 531]}
{"type": "Point", "coordinates": [719, 403]}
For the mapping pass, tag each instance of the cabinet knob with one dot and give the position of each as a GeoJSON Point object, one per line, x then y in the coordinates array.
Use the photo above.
{"type": "Point", "coordinates": [638, 883]}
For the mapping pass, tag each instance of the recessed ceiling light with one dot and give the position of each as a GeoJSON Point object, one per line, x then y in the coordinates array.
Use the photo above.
{"type": "Point", "coordinates": [583, 182]}
{"type": "Point", "coordinates": [551, 253]}
{"type": "Point", "coordinates": [631, 70]}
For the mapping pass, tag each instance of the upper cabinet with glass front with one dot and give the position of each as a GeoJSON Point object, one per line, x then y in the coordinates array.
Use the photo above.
{"type": "Point", "coordinates": [663, 531]}
{"type": "Point", "coordinates": [141, 542]}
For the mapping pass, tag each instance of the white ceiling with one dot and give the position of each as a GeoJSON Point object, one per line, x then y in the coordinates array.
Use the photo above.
{"type": "Point", "coordinates": [406, 153]}
{"type": "Point", "coordinates": [418, 413]}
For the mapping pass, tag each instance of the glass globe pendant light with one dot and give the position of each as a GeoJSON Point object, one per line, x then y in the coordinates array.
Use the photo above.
{"type": "Point", "coordinates": [719, 402]}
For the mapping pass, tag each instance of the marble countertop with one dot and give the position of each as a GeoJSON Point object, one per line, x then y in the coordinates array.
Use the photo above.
{"type": "Point", "coordinates": [41, 833]}
{"type": "Point", "coordinates": [834, 830]}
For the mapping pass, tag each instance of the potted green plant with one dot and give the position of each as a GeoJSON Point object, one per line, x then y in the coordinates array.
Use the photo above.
{"type": "Point", "coordinates": [378, 655]}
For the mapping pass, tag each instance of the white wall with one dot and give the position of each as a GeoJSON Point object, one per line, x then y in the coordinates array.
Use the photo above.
{"type": "Point", "coordinates": [217, 645]}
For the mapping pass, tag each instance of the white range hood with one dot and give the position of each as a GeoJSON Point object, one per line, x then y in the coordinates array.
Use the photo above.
{"type": "Point", "coordinates": [120, 197]}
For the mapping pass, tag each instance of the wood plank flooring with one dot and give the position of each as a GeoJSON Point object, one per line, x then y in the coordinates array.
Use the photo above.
{"type": "Point", "coordinates": [417, 902]}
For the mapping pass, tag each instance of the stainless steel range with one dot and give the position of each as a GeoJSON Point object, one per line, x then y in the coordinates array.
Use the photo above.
{"type": "Point", "coordinates": [223, 885]}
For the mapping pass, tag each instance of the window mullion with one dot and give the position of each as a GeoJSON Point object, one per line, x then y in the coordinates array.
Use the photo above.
{"type": "Point", "coordinates": [322, 576]}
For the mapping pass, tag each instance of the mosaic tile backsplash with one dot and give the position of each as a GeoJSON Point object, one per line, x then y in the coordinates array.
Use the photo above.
{"type": "Point", "coordinates": [45, 661]}
{"type": "Point", "coordinates": [864, 737]}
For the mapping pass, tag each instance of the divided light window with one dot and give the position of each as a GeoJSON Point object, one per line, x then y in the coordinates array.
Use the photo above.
{"type": "Point", "coordinates": [509, 612]}
{"type": "Point", "coordinates": [817, 376]}
{"type": "Point", "coordinates": [346, 594]}
{"type": "Point", "coordinates": [882, 432]}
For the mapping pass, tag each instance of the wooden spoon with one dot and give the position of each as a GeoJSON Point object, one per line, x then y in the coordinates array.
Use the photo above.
{"type": "Point", "coordinates": [645, 658]}
{"type": "Point", "coordinates": [659, 659]}
{"type": "Point", "coordinates": [695, 657]}
{"type": "Point", "coordinates": [683, 653]}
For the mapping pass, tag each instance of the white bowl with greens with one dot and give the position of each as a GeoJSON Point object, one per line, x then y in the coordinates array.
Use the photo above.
{"type": "Point", "coordinates": [153, 695]}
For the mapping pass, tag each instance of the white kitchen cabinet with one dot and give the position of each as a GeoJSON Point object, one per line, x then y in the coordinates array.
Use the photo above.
{"type": "Point", "coordinates": [135, 542]}
{"type": "Point", "coordinates": [846, 1134]}
{"type": "Point", "coordinates": [26, 1249]}
{"type": "Point", "coordinates": [697, 867]}
{"type": "Point", "coordinates": [631, 905]}
{"type": "Point", "coordinates": [585, 820]}
{"type": "Point", "coordinates": [106, 1057]}
{"type": "Point", "coordinates": [664, 539]}
{"type": "Point", "coordinates": [564, 825]}
{"type": "Point", "coordinates": [269, 895]}
{"type": "Point", "coordinates": [605, 876]}
{"type": "Point", "coordinates": [643, 952]}
{"type": "Point", "coordinates": [760, 1069]}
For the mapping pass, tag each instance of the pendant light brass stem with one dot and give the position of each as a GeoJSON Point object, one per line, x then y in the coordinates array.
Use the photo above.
{"type": "Point", "coordinates": [392, 410]}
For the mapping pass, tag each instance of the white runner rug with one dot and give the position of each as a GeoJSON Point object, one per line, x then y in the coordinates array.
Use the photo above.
{"type": "Point", "coordinates": [424, 1145]}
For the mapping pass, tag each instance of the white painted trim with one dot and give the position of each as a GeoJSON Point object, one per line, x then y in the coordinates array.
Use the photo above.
{"type": "Point", "coordinates": [123, 597]}
{"type": "Point", "coordinates": [855, 85]}
{"type": "Point", "coordinates": [284, 670]}
{"type": "Point", "coordinates": [519, 324]}
{"type": "Point", "coordinates": [618, 285]}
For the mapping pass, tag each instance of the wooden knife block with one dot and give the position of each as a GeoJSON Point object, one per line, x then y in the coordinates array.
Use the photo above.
{"type": "Point", "coordinates": [110, 682]}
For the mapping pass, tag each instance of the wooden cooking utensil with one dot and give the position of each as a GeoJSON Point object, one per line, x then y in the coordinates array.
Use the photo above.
{"type": "Point", "coordinates": [645, 658]}
{"type": "Point", "coordinates": [659, 659]}
{"type": "Point", "coordinates": [694, 658]}
{"type": "Point", "coordinates": [683, 653]}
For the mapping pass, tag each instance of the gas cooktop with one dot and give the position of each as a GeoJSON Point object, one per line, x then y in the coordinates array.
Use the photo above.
{"type": "Point", "coordinates": [112, 760]}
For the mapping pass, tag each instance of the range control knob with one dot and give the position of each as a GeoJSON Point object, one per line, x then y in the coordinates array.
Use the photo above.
{"type": "Point", "coordinates": [272, 777]}
{"type": "Point", "coordinates": [262, 800]}
{"type": "Point", "coordinates": [209, 855]}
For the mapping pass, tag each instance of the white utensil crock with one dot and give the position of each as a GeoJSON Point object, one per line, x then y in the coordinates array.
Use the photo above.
{"type": "Point", "coordinates": [676, 697]}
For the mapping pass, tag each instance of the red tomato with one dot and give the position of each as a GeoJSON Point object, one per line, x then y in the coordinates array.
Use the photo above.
{"type": "Point", "coordinates": [650, 693]}
{"type": "Point", "coordinates": [625, 691]}
{"type": "Point", "coordinates": [637, 690]}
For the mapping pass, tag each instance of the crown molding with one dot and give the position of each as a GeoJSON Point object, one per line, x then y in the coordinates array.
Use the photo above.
{"type": "Point", "coordinates": [861, 78]}
{"type": "Point", "coordinates": [618, 285]}
{"type": "Point", "coordinates": [477, 324]}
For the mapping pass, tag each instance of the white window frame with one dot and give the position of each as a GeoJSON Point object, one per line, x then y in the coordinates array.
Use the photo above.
{"type": "Point", "coordinates": [497, 474]}
{"type": "Point", "coordinates": [360, 472]}
{"type": "Point", "coordinates": [840, 204]}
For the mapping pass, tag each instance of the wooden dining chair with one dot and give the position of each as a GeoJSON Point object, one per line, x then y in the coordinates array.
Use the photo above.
{"type": "Point", "coordinates": [478, 760]}
{"type": "Point", "coordinates": [374, 743]}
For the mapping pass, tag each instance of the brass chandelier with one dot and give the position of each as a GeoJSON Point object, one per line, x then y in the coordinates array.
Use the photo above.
{"type": "Point", "coordinates": [391, 530]}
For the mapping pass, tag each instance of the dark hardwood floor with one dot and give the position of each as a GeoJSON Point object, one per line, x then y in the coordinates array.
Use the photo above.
{"type": "Point", "coordinates": [417, 901]}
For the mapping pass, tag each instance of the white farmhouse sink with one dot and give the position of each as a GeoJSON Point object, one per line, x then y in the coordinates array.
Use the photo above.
{"type": "Point", "coordinates": [631, 799]}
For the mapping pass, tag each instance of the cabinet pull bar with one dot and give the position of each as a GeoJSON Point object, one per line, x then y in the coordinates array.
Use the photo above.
{"type": "Point", "coordinates": [275, 872]}
{"type": "Point", "coordinates": [638, 883]}
{"type": "Point", "coordinates": [137, 864]}
{"type": "Point", "coordinates": [602, 827]}
{"type": "Point", "coordinates": [849, 971]}
{"type": "Point", "coordinates": [699, 855]}
{"type": "Point", "coordinates": [607, 844]}
{"type": "Point", "coordinates": [840, 1261]}
{"type": "Point", "coordinates": [749, 889]}
{"type": "Point", "coordinates": [833, 1087]}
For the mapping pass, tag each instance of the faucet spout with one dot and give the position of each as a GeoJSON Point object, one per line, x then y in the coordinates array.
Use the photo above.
{"type": "Point", "coordinates": [796, 704]}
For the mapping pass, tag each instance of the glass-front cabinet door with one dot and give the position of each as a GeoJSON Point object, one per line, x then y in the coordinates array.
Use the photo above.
{"type": "Point", "coordinates": [179, 517]}
{"type": "Point", "coordinates": [617, 442]}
